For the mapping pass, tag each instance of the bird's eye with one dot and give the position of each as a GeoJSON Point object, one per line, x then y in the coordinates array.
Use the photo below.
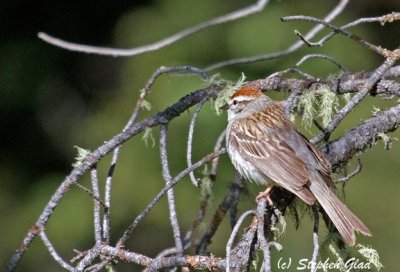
{"type": "Point", "coordinates": [234, 102]}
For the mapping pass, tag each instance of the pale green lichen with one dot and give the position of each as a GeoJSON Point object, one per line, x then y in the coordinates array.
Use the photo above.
{"type": "Point", "coordinates": [339, 260]}
{"type": "Point", "coordinates": [148, 136]}
{"type": "Point", "coordinates": [347, 97]}
{"type": "Point", "coordinates": [329, 105]}
{"type": "Point", "coordinates": [387, 140]}
{"type": "Point", "coordinates": [229, 89]}
{"type": "Point", "coordinates": [82, 153]}
{"type": "Point", "coordinates": [206, 183]}
{"type": "Point", "coordinates": [375, 110]}
{"type": "Point", "coordinates": [306, 104]}
{"type": "Point", "coordinates": [280, 228]}
{"type": "Point", "coordinates": [146, 105]}
{"type": "Point", "coordinates": [371, 255]}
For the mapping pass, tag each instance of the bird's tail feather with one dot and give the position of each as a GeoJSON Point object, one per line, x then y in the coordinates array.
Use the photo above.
{"type": "Point", "coordinates": [343, 219]}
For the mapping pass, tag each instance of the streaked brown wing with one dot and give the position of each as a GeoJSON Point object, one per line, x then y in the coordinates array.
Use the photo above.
{"type": "Point", "coordinates": [308, 153]}
{"type": "Point", "coordinates": [271, 155]}
{"type": "Point", "coordinates": [324, 167]}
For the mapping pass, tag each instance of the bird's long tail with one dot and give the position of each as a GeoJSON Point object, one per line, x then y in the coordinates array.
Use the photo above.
{"type": "Point", "coordinates": [343, 219]}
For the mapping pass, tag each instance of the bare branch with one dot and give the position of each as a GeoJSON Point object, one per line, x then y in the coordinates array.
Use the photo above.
{"type": "Point", "coordinates": [233, 235]}
{"type": "Point", "coordinates": [293, 71]}
{"type": "Point", "coordinates": [190, 142]}
{"type": "Point", "coordinates": [125, 255]}
{"type": "Point", "coordinates": [53, 252]}
{"type": "Point", "coordinates": [266, 263]}
{"type": "Point", "coordinates": [160, 71]}
{"type": "Point", "coordinates": [291, 49]}
{"type": "Point", "coordinates": [170, 193]}
{"type": "Point", "coordinates": [88, 259]}
{"type": "Point", "coordinates": [107, 195]}
{"type": "Point", "coordinates": [320, 56]}
{"type": "Point", "coordinates": [90, 193]}
{"type": "Point", "coordinates": [340, 151]}
{"type": "Point", "coordinates": [388, 18]}
{"type": "Point", "coordinates": [257, 7]}
{"type": "Point", "coordinates": [377, 49]}
{"type": "Point", "coordinates": [352, 174]}
{"type": "Point", "coordinates": [96, 208]}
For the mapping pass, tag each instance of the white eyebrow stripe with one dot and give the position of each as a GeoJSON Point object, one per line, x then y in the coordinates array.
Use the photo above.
{"type": "Point", "coordinates": [243, 98]}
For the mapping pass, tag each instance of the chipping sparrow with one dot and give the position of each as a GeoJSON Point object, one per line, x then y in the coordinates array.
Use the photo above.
{"type": "Point", "coordinates": [264, 146]}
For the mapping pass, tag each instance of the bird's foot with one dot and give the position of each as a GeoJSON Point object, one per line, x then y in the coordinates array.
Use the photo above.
{"type": "Point", "coordinates": [266, 195]}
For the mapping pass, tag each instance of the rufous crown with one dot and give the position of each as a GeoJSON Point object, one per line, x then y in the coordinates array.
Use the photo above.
{"type": "Point", "coordinates": [247, 91]}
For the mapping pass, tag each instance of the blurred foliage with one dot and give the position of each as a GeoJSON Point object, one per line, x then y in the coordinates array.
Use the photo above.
{"type": "Point", "coordinates": [51, 100]}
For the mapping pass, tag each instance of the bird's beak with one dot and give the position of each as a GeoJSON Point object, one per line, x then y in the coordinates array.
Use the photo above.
{"type": "Point", "coordinates": [224, 107]}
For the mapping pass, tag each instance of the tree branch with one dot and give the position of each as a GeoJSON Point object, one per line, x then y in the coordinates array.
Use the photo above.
{"type": "Point", "coordinates": [257, 7]}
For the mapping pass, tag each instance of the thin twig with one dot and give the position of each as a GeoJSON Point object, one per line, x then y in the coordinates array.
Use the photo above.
{"type": "Point", "coordinates": [314, 258]}
{"type": "Point", "coordinates": [190, 141]}
{"type": "Point", "coordinates": [381, 19]}
{"type": "Point", "coordinates": [170, 193]}
{"type": "Point", "coordinates": [107, 195]}
{"type": "Point", "coordinates": [388, 18]}
{"type": "Point", "coordinates": [336, 29]}
{"type": "Point", "coordinates": [321, 56]}
{"type": "Point", "coordinates": [215, 162]}
{"type": "Point", "coordinates": [257, 7]}
{"type": "Point", "coordinates": [90, 193]}
{"type": "Point", "coordinates": [53, 252]}
{"type": "Point", "coordinates": [293, 71]}
{"type": "Point", "coordinates": [266, 263]}
{"type": "Point", "coordinates": [352, 174]}
{"type": "Point", "coordinates": [96, 207]}
{"type": "Point", "coordinates": [291, 49]}
{"type": "Point", "coordinates": [233, 235]}
{"type": "Point", "coordinates": [160, 71]}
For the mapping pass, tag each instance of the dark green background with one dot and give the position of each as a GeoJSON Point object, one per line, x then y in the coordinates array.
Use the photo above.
{"type": "Point", "coordinates": [51, 100]}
